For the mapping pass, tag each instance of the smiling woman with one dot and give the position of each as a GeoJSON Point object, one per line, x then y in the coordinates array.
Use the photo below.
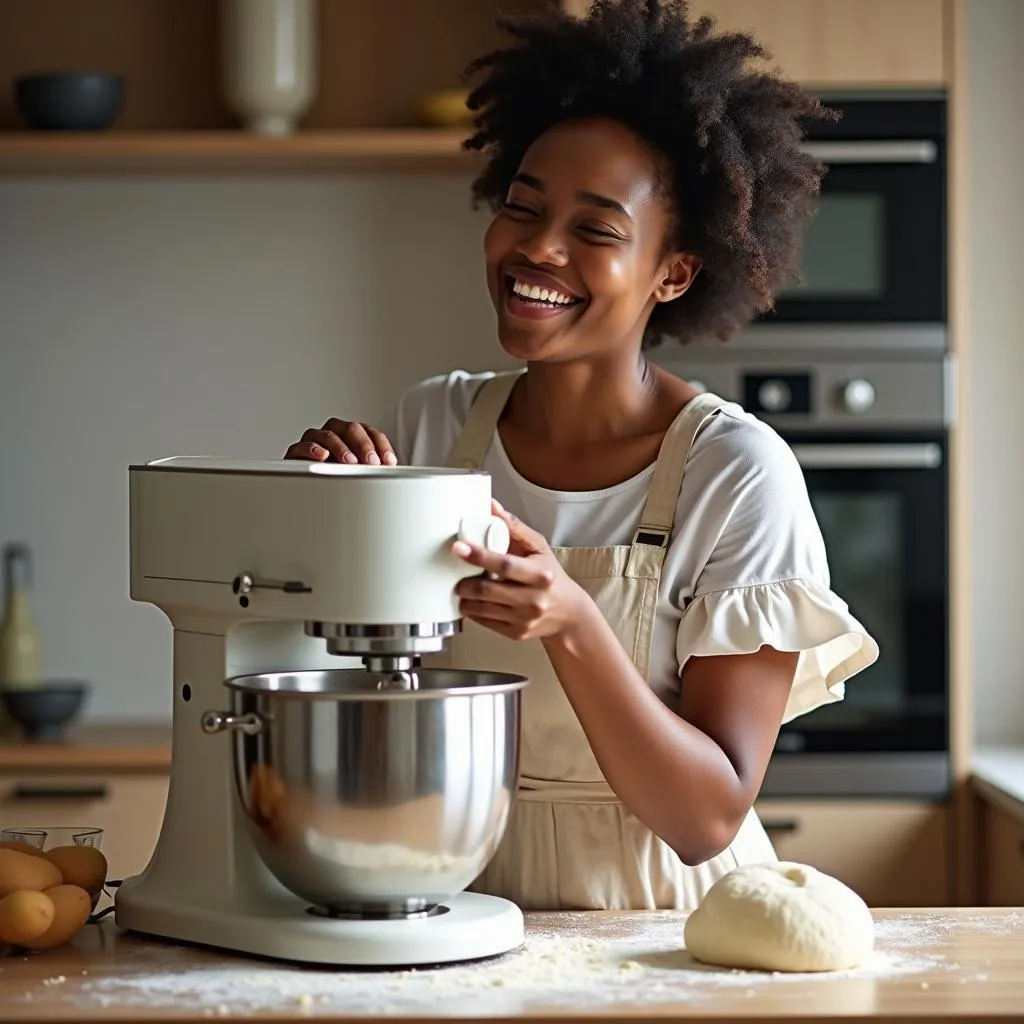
{"type": "Point", "coordinates": [669, 599]}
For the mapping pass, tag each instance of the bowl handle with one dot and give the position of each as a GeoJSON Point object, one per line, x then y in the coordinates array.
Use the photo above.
{"type": "Point", "coordinates": [221, 721]}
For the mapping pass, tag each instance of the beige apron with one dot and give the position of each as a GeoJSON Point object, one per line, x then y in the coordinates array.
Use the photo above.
{"type": "Point", "coordinates": [571, 843]}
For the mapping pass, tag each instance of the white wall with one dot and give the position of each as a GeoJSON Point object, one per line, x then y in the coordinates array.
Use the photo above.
{"type": "Point", "coordinates": [140, 319]}
{"type": "Point", "coordinates": [996, 30]}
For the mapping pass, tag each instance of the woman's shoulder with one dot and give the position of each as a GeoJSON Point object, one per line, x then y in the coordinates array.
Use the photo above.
{"type": "Point", "coordinates": [431, 412]}
{"type": "Point", "coordinates": [738, 445]}
{"type": "Point", "coordinates": [451, 393]}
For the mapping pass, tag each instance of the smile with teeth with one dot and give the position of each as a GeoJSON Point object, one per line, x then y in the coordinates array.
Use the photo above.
{"type": "Point", "coordinates": [541, 296]}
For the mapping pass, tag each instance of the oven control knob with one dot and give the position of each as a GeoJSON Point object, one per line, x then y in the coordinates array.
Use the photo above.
{"type": "Point", "coordinates": [858, 395]}
{"type": "Point", "coordinates": [774, 395]}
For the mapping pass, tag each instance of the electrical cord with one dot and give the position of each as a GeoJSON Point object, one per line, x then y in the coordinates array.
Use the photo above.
{"type": "Point", "coordinates": [96, 918]}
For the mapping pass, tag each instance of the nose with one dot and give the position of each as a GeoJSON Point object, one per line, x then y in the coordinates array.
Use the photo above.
{"type": "Point", "coordinates": [544, 244]}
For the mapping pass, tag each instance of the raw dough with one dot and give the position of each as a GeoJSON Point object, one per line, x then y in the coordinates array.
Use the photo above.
{"type": "Point", "coordinates": [780, 916]}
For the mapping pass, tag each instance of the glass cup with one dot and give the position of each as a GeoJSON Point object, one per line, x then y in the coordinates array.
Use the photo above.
{"type": "Point", "coordinates": [50, 836]}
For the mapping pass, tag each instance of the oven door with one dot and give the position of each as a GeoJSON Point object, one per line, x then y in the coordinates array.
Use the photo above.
{"type": "Point", "coordinates": [875, 253]}
{"type": "Point", "coordinates": [882, 507]}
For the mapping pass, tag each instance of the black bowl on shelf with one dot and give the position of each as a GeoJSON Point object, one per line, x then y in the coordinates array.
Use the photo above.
{"type": "Point", "coordinates": [69, 101]}
{"type": "Point", "coordinates": [44, 711]}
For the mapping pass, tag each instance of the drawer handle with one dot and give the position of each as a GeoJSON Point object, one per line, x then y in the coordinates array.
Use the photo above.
{"type": "Point", "coordinates": [785, 825]}
{"type": "Point", "coordinates": [97, 791]}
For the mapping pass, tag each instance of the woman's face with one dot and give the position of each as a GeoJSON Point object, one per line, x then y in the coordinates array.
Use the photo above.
{"type": "Point", "coordinates": [578, 256]}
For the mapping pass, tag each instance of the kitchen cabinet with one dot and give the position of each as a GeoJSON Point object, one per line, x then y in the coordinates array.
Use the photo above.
{"type": "Point", "coordinates": [378, 62]}
{"type": "Point", "coordinates": [128, 807]}
{"type": "Point", "coordinates": [893, 853]}
{"type": "Point", "coordinates": [1001, 855]}
{"type": "Point", "coordinates": [837, 43]}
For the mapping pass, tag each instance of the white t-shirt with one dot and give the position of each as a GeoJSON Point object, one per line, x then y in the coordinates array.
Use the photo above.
{"type": "Point", "coordinates": [746, 563]}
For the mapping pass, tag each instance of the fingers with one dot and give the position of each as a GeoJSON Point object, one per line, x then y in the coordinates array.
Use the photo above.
{"type": "Point", "coordinates": [307, 451]}
{"type": "Point", "coordinates": [524, 538]}
{"type": "Point", "coordinates": [508, 567]}
{"type": "Point", "coordinates": [367, 444]}
{"type": "Point", "coordinates": [385, 452]}
{"type": "Point", "coordinates": [346, 442]}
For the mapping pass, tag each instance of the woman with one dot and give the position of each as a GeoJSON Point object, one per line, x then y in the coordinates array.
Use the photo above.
{"type": "Point", "coordinates": [667, 591]}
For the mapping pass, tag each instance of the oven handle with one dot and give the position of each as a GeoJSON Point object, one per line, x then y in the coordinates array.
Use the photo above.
{"type": "Point", "coordinates": [921, 151]}
{"type": "Point", "coordinates": [868, 456]}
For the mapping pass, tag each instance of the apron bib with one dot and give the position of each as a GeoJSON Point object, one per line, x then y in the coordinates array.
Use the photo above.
{"type": "Point", "coordinates": [570, 843]}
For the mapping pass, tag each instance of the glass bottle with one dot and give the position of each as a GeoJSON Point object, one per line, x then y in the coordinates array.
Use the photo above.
{"type": "Point", "coordinates": [20, 643]}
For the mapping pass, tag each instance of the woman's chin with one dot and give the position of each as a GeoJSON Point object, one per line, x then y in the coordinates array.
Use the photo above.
{"type": "Point", "coordinates": [526, 345]}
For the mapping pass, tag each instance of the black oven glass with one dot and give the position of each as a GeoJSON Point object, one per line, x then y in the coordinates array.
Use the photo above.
{"type": "Point", "coordinates": [876, 250]}
{"type": "Point", "coordinates": [885, 535]}
{"type": "Point", "coordinates": [844, 255]}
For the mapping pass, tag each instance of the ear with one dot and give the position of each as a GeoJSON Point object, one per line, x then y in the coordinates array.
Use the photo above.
{"type": "Point", "coordinates": [678, 272]}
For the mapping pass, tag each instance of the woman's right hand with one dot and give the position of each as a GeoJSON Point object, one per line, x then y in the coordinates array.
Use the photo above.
{"type": "Point", "coordinates": [344, 441]}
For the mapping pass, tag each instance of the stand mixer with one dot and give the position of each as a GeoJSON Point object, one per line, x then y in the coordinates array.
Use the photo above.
{"type": "Point", "coordinates": [337, 810]}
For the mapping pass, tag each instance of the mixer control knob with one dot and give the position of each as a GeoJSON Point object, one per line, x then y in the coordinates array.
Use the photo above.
{"type": "Point", "coordinates": [858, 395]}
{"type": "Point", "coordinates": [496, 536]}
{"type": "Point", "coordinates": [774, 395]}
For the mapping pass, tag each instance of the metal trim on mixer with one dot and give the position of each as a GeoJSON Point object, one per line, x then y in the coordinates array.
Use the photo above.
{"type": "Point", "coordinates": [289, 685]}
{"type": "Point", "coordinates": [400, 639]}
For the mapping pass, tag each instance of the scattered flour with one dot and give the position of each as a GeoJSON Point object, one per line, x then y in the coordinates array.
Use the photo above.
{"type": "Point", "coordinates": [579, 965]}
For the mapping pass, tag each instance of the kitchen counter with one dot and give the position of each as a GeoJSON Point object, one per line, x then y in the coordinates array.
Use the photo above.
{"type": "Point", "coordinates": [1001, 769]}
{"type": "Point", "coordinates": [93, 748]}
{"type": "Point", "coordinates": [949, 965]}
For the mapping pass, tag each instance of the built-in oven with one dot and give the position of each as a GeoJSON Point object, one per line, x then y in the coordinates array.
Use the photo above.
{"type": "Point", "coordinates": [870, 432]}
{"type": "Point", "coordinates": [874, 258]}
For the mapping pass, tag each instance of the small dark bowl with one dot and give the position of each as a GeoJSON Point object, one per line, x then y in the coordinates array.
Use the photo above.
{"type": "Point", "coordinates": [69, 101]}
{"type": "Point", "coordinates": [44, 711]}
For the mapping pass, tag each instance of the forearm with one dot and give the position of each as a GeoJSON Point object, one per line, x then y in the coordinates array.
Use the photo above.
{"type": "Point", "coordinates": [671, 775]}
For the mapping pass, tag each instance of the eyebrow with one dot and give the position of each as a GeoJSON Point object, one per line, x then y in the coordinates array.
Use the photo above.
{"type": "Point", "coordinates": [588, 197]}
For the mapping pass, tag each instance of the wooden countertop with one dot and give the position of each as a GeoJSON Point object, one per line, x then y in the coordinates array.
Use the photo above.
{"type": "Point", "coordinates": [114, 748]}
{"type": "Point", "coordinates": [937, 965]}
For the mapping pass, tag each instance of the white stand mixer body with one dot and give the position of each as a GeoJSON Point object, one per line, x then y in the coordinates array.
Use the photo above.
{"type": "Point", "coordinates": [377, 554]}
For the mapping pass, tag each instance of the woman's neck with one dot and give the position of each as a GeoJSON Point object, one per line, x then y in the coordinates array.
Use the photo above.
{"type": "Point", "coordinates": [578, 403]}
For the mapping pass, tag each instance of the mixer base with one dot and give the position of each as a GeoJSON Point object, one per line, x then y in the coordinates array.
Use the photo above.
{"type": "Point", "coordinates": [475, 926]}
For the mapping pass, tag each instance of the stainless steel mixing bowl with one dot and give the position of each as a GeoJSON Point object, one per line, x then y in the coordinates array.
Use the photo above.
{"type": "Point", "coordinates": [372, 800]}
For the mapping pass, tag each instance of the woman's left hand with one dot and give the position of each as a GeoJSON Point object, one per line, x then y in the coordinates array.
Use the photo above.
{"type": "Point", "coordinates": [530, 596]}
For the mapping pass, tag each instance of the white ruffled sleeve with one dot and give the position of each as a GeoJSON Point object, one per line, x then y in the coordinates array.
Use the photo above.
{"type": "Point", "coordinates": [766, 580]}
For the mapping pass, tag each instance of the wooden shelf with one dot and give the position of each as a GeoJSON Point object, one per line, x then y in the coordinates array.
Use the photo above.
{"type": "Point", "coordinates": [220, 152]}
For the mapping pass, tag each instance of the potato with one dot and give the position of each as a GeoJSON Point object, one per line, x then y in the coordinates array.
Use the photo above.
{"type": "Point", "coordinates": [16, 844]}
{"type": "Point", "coordinates": [71, 909]}
{"type": "Point", "coordinates": [25, 916]}
{"type": "Point", "coordinates": [22, 871]}
{"type": "Point", "coordinates": [84, 866]}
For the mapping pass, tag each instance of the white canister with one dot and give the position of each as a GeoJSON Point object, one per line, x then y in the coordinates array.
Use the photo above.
{"type": "Point", "coordinates": [269, 61]}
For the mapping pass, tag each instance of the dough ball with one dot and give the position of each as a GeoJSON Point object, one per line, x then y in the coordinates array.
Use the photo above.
{"type": "Point", "coordinates": [780, 916]}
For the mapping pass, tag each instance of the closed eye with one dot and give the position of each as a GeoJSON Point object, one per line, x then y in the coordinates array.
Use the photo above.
{"type": "Point", "coordinates": [600, 233]}
{"type": "Point", "coordinates": [518, 208]}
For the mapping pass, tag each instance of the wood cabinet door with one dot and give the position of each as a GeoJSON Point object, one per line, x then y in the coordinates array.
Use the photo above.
{"type": "Point", "coordinates": [894, 854]}
{"type": "Point", "coordinates": [834, 43]}
{"type": "Point", "coordinates": [1002, 858]}
{"type": "Point", "coordinates": [129, 809]}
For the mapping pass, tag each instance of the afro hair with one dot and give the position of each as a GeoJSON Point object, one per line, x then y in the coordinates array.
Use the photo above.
{"type": "Point", "coordinates": [728, 138]}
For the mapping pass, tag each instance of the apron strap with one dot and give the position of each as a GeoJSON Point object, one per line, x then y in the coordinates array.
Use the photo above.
{"type": "Point", "coordinates": [660, 511]}
{"type": "Point", "coordinates": [471, 446]}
